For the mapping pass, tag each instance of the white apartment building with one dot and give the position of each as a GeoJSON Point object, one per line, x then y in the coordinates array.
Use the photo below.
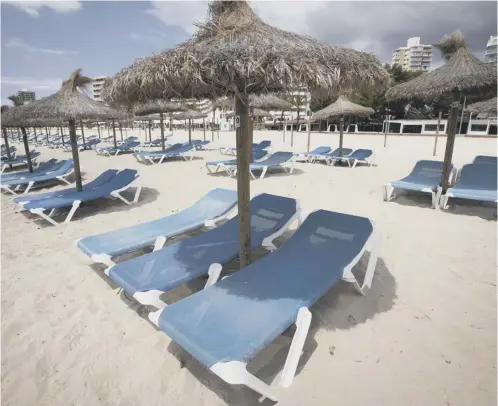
{"type": "Point", "coordinates": [414, 57]}
{"type": "Point", "coordinates": [491, 55]}
{"type": "Point", "coordinates": [26, 95]}
{"type": "Point", "coordinates": [97, 84]}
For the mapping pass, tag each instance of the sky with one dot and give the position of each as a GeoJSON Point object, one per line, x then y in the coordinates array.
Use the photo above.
{"type": "Point", "coordinates": [42, 42]}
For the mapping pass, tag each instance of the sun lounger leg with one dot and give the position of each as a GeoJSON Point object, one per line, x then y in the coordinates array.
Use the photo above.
{"type": "Point", "coordinates": [268, 241]}
{"type": "Point", "coordinates": [263, 173]}
{"type": "Point", "coordinates": [28, 188]}
{"type": "Point", "coordinates": [159, 243]}
{"type": "Point", "coordinates": [214, 274]}
{"type": "Point", "coordinates": [103, 259]}
{"type": "Point", "coordinates": [150, 298]}
{"type": "Point", "coordinates": [70, 215]}
{"type": "Point", "coordinates": [8, 189]}
{"type": "Point", "coordinates": [44, 216]}
{"type": "Point", "coordinates": [443, 199]}
{"type": "Point", "coordinates": [388, 191]}
{"type": "Point", "coordinates": [63, 177]}
{"type": "Point", "coordinates": [303, 323]}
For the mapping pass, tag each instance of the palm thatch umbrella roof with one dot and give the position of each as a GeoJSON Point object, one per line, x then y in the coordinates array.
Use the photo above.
{"type": "Point", "coordinates": [462, 72]}
{"type": "Point", "coordinates": [255, 113]}
{"type": "Point", "coordinates": [343, 107]}
{"type": "Point", "coordinates": [157, 106]}
{"type": "Point", "coordinates": [269, 101]}
{"type": "Point", "coordinates": [223, 103]}
{"type": "Point", "coordinates": [189, 114]}
{"type": "Point", "coordinates": [487, 106]}
{"type": "Point", "coordinates": [234, 52]}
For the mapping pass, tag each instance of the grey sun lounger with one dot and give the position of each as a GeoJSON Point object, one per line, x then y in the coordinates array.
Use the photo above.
{"type": "Point", "coordinates": [148, 276]}
{"type": "Point", "coordinates": [363, 156]}
{"type": "Point", "coordinates": [211, 209]}
{"type": "Point", "coordinates": [225, 326]}
{"type": "Point", "coordinates": [232, 151]}
{"type": "Point", "coordinates": [19, 160]}
{"type": "Point", "coordinates": [277, 160]}
{"type": "Point", "coordinates": [112, 188]}
{"type": "Point", "coordinates": [60, 171]}
{"type": "Point", "coordinates": [160, 156]}
{"type": "Point", "coordinates": [331, 157]}
{"type": "Point", "coordinates": [317, 151]}
{"type": "Point", "coordinates": [227, 165]}
{"type": "Point", "coordinates": [425, 177]}
{"type": "Point", "coordinates": [484, 159]}
{"type": "Point", "coordinates": [477, 182]}
{"type": "Point", "coordinates": [98, 181]}
{"type": "Point", "coordinates": [128, 146]}
{"type": "Point", "coordinates": [89, 144]}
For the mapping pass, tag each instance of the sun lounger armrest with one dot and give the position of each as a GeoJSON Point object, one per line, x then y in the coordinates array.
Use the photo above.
{"type": "Point", "coordinates": [268, 241]}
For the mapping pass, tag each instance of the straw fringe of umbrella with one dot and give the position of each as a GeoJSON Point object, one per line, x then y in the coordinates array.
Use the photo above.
{"type": "Point", "coordinates": [487, 106]}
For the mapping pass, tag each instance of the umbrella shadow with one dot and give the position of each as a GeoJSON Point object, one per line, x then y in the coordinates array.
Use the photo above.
{"type": "Point", "coordinates": [463, 207]}
{"type": "Point", "coordinates": [413, 199]}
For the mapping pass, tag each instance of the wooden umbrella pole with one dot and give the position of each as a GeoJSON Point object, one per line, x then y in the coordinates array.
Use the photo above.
{"type": "Point", "coordinates": [98, 129]}
{"type": "Point", "coordinates": [243, 187]}
{"type": "Point", "coordinates": [62, 135]}
{"type": "Point", "coordinates": [114, 134]}
{"type": "Point", "coordinates": [292, 134]}
{"type": "Point", "coordinates": [26, 148]}
{"type": "Point", "coordinates": [285, 129]}
{"type": "Point", "coordinates": [189, 131]}
{"type": "Point", "coordinates": [386, 129]}
{"type": "Point", "coordinates": [437, 133]}
{"type": "Point", "coordinates": [171, 123]}
{"type": "Point", "coordinates": [341, 133]}
{"type": "Point", "coordinates": [161, 115]}
{"type": "Point", "coordinates": [309, 132]}
{"type": "Point", "coordinates": [83, 134]}
{"type": "Point", "coordinates": [212, 127]}
{"type": "Point", "coordinates": [450, 144]}
{"type": "Point", "coordinates": [150, 131]}
{"type": "Point", "coordinates": [121, 130]}
{"type": "Point", "coordinates": [6, 140]}
{"type": "Point", "coordinates": [204, 127]}
{"type": "Point", "coordinates": [46, 133]}
{"type": "Point", "coordinates": [76, 158]}
{"type": "Point", "coordinates": [283, 126]}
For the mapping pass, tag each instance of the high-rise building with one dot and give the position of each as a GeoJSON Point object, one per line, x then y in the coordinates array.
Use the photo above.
{"type": "Point", "coordinates": [97, 84]}
{"type": "Point", "coordinates": [26, 96]}
{"type": "Point", "coordinates": [491, 55]}
{"type": "Point", "coordinates": [414, 57]}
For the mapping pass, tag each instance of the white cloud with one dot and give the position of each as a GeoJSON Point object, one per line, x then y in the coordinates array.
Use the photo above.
{"type": "Point", "coordinates": [182, 14]}
{"type": "Point", "coordinates": [19, 43]}
{"type": "Point", "coordinates": [32, 7]}
{"type": "Point", "coordinates": [31, 83]}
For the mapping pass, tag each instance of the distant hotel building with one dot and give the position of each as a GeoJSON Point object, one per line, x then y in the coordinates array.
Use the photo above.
{"type": "Point", "coordinates": [414, 57]}
{"type": "Point", "coordinates": [491, 53]}
{"type": "Point", "coordinates": [26, 96]}
{"type": "Point", "coordinates": [97, 84]}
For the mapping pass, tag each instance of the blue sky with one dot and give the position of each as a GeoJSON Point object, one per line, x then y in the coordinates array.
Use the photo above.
{"type": "Point", "coordinates": [42, 42]}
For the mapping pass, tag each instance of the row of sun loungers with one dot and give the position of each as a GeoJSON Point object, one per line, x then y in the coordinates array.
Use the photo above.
{"type": "Point", "coordinates": [475, 181]}
{"type": "Point", "coordinates": [217, 325]}
{"type": "Point", "coordinates": [19, 160]}
{"type": "Point", "coordinates": [340, 155]}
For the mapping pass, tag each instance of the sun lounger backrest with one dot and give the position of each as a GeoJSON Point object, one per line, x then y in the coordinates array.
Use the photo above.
{"type": "Point", "coordinates": [321, 150]}
{"type": "Point", "coordinates": [264, 144]}
{"type": "Point", "coordinates": [361, 154]}
{"type": "Point", "coordinates": [484, 159]}
{"type": "Point", "coordinates": [276, 158]}
{"type": "Point", "coordinates": [428, 170]}
{"type": "Point", "coordinates": [255, 305]}
{"type": "Point", "coordinates": [258, 154]}
{"type": "Point", "coordinates": [478, 176]}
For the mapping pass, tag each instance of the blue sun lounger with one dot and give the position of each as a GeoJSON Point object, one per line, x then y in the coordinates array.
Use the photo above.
{"type": "Point", "coordinates": [98, 181]}
{"type": "Point", "coordinates": [211, 209]}
{"type": "Point", "coordinates": [19, 160]}
{"type": "Point", "coordinates": [157, 142]}
{"type": "Point", "coordinates": [148, 276]}
{"type": "Point", "coordinates": [484, 159]}
{"type": "Point", "coordinates": [363, 156]}
{"type": "Point", "coordinates": [227, 325]}
{"type": "Point", "coordinates": [160, 156]}
{"type": "Point", "coordinates": [425, 177]}
{"type": "Point", "coordinates": [40, 170]}
{"type": "Point", "coordinates": [331, 157]}
{"type": "Point", "coordinates": [89, 144]}
{"type": "Point", "coordinates": [233, 151]}
{"type": "Point", "coordinates": [59, 171]}
{"type": "Point", "coordinates": [128, 146]}
{"type": "Point", "coordinates": [317, 151]}
{"type": "Point", "coordinates": [112, 188]}
{"type": "Point", "coordinates": [280, 159]}
{"type": "Point", "coordinates": [477, 182]}
{"type": "Point", "coordinates": [12, 151]}
{"type": "Point", "coordinates": [227, 165]}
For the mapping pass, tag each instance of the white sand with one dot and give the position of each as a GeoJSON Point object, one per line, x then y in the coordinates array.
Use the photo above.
{"type": "Point", "coordinates": [424, 335]}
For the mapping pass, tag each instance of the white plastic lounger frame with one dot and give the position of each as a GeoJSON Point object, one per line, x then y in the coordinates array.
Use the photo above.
{"type": "Point", "coordinates": [106, 259]}
{"type": "Point", "coordinates": [443, 200]}
{"type": "Point", "coordinates": [236, 373]}
{"type": "Point", "coordinates": [116, 194]}
{"type": "Point", "coordinates": [368, 161]}
{"type": "Point", "coordinates": [7, 164]}
{"type": "Point", "coordinates": [152, 297]}
{"type": "Point", "coordinates": [220, 166]}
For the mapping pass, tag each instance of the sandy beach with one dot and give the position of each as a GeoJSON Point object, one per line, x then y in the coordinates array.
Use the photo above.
{"type": "Point", "coordinates": [424, 335]}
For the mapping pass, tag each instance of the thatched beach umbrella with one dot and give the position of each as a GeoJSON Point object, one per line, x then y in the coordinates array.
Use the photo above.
{"type": "Point", "coordinates": [159, 106]}
{"type": "Point", "coordinates": [461, 73]}
{"type": "Point", "coordinates": [340, 108]}
{"type": "Point", "coordinates": [69, 105]}
{"type": "Point", "coordinates": [189, 115]}
{"type": "Point", "coordinates": [486, 106]}
{"type": "Point", "coordinates": [270, 101]}
{"type": "Point", "coordinates": [235, 54]}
